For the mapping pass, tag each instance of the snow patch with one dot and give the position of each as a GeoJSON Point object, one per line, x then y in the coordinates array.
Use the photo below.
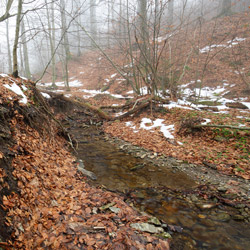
{"type": "Point", "coordinates": [166, 130]}
{"type": "Point", "coordinates": [229, 44]}
{"type": "Point", "coordinates": [206, 122]}
{"type": "Point", "coordinates": [46, 95]}
{"type": "Point", "coordinates": [4, 75]}
{"type": "Point", "coordinates": [74, 83]}
{"type": "Point", "coordinates": [112, 76]}
{"type": "Point", "coordinates": [16, 89]}
{"type": "Point", "coordinates": [96, 92]}
{"type": "Point", "coordinates": [247, 104]}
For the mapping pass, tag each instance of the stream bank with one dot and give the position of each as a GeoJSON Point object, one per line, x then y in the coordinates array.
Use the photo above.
{"type": "Point", "coordinates": [179, 194]}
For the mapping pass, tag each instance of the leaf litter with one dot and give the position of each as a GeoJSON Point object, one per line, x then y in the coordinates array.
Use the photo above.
{"type": "Point", "coordinates": [55, 208]}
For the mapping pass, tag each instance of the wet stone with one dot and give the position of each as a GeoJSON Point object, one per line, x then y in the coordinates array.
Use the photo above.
{"type": "Point", "coordinates": [208, 223]}
{"type": "Point", "coordinates": [222, 217]}
{"type": "Point", "coordinates": [206, 206]}
{"type": "Point", "coordinates": [146, 227]}
{"type": "Point", "coordinates": [240, 205]}
{"type": "Point", "coordinates": [186, 221]}
{"type": "Point", "coordinates": [222, 189]}
{"type": "Point", "coordinates": [238, 217]}
{"type": "Point", "coordinates": [194, 198]}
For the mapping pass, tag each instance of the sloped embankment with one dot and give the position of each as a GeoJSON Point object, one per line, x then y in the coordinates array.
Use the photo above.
{"type": "Point", "coordinates": [46, 203]}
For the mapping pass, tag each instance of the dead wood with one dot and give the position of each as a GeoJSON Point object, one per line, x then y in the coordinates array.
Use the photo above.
{"type": "Point", "coordinates": [132, 111]}
{"type": "Point", "coordinates": [96, 110]}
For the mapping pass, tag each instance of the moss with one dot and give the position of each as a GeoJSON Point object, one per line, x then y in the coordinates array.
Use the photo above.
{"type": "Point", "coordinates": [209, 103]}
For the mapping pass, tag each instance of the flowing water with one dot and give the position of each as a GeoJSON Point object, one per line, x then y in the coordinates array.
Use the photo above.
{"type": "Point", "coordinates": [161, 192]}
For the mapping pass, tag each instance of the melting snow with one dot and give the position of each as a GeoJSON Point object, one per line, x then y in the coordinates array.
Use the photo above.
{"type": "Point", "coordinates": [46, 95]}
{"type": "Point", "coordinates": [4, 75]}
{"type": "Point", "coordinates": [206, 122]}
{"type": "Point", "coordinates": [96, 92]}
{"type": "Point", "coordinates": [16, 89]}
{"type": "Point", "coordinates": [229, 44]}
{"type": "Point", "coordinates": [158, 123]}
{"type": "Point", "coordinates": [74, 83]}
{"type": "Point", "coordinates": [112, 76]}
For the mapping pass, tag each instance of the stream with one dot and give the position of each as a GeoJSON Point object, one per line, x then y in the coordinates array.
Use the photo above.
{"type": "Point", "coordinates": [161, 192]}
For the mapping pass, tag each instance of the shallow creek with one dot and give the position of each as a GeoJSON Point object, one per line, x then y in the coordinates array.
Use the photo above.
{"type": "Point", "coordinates": [160, 191]}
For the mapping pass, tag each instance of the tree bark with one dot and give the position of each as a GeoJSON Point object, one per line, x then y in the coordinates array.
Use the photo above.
{"type": "Point", "coordinates": [93, 28]}
{"type": "Point", "coordinates": [25, 52]}
{"type": "Point", "coordinates": [226, 7]}
{"type": "Point", "coordinates": [63, 23]}
{"type": "Point", "coordinates": [8, 47]}
{"type": "Point", "coordinates": [170, 12]}
{"type": "Point", "coordinates": [18, 20]}
{"type": "Point", "coordinates": [51, 39]}
{"type": "Point", "coordinates": [6, 15]}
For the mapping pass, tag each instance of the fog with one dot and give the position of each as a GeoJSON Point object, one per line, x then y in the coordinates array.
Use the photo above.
{"type": "Point", "coordinates": [50, 31]}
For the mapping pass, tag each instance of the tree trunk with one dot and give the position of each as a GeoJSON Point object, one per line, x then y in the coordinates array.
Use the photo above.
{"type": "Point", "coordinates": [142, 10]}
{"type": "Point", "coordinates": [6, 15]}
{"type": "Point", "coordinates": [53, 44]}
{"type": "Point", "coordinates": [18, 20]}
{"type": "Point", "coordinates": [8, 47]}
{"type": "Point", "coordinates": [51, 39]}
{"type": "Point", "coordinates": [226, 7]}
{"type": "Point", "coordinates": [93, 28]}
{"type": "Point", "coordinates": [170, 12]}
{"type": "Point", "coordinates": [143, 29]}
{"type": "Point", "coordinates": [25, 52]}
{"type": "Point", "coordinates": [21, 66]}
{"type": "Point", "coordinates": [63, 23]}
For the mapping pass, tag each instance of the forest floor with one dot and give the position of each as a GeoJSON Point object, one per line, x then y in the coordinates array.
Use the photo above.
{"type": "Point", "coordinates": [223, 100]}
{"type": "Point", "coordinates": [45, 201]}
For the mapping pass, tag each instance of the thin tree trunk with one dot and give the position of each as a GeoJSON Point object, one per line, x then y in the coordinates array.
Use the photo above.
{"type": "Point", "coordinates": [93, 28]}
{"type": "Point", "coordinates": [79, 38]}
{"type": "Point", "coordinates": [51, 39]}
{"type": "Point", "coordinates": [7, 9]}
{"type": "Point", "coordinates": [143, 24]}
{"type": "Point", "coordinates": [8, 47]}
{"type": "Point", "coordinates": [170, 12]}
{"type": "Point", "coordinates": [53, 45]}
{"type": "Point", "coordinates": [21, 66]}
{"type": "Point", "coordinates": [18, 20]}
{"type": "Point", "coordinates": [25, 52]}
{"type": "Point", "coordinates": [226, 7]}
{"type": "Point", "coordinates": [63, 22]}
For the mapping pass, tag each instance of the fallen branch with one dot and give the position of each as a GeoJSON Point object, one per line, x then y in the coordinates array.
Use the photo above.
{"type": "Point", "coordinates": [221, 126]}
{"type": "Point", "coordinates": [132, 111]}
{"type": "Point", "coordinates": [87, 105]}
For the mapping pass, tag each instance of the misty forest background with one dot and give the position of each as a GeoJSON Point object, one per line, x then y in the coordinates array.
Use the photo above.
{"type": "Point", "coordinates": [38, 34]}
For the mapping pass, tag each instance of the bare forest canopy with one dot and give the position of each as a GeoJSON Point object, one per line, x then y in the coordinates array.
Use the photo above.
{"type": "Point", "coordinates": [40, 33]}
